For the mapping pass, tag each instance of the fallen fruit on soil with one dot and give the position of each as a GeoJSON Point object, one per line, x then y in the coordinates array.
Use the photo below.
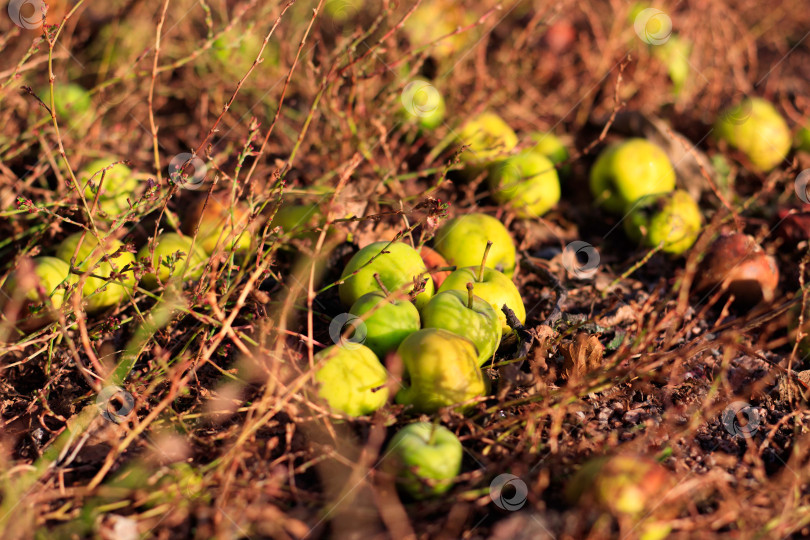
{"type": "Point", "coordinates": [738, 265]}
{"type": "Point", "coordinates": [398, 267]}
{"type": "Point", "coordinates": [441, 370]}
{"type": "Point", "coordinates": [803, 139]}
{"type": "Point", "coordinates": [672, 219]}
{"type": "Point", "coordinates": [351, 379]}
{"type": "Point", "coordinates": [390, 323]}
{"type": "Point", "coordinates": [119, 185]}
{"type": "Point", "coordinates": [468, 316]}
{"type": "Point", "coordinates": [103, 291]}
{"type": "Point", "coordinates": [552, 147]}
{"type": "Point", "coordinates": [487, 138]}
{"type": "Point", "coordinates": [167, 265]}
{"type": "Point", "coordinates": [425, 457]}
{"type": "Point", "coordinates": [626, 171]}
{"type": "Point", "coordinates": [463, 239]}
{"type": "Point", "coordinates": [72, 103]}
{"type": "Point", "coordinates": [51, 272]}
{"type": "Point", "coordinates": [219, 223]}
{"type": "Point", "coordinates": [423, 104]}
{"type": "Point", "coordinates": [756, 128]}
{"type": "Point", "coordinates": [526, 182]}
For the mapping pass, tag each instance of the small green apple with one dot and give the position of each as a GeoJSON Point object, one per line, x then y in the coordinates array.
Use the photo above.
{"type": "Point", "coordinates": [434, 24]}
{"type": "Point", "coordinates": [398, 264]}
{"type": "Point", "coordinates": [442, 370]}
{"type": "Point", "coordinates": [803, 139]}
{"type": "Point", "coordinates": [463, 239]}
{"type": "Point", "coordinates": [628, 170]}
{"type": "Point", "coordinates": [552, 147]}
{"type": "Point", "coordinates": [756, 128]}
{"type": "Point", "coordinates": [390, 322]}
{"type": "Point", "coordinates": [425, 457]}
{"type": "Point", "coordinates": [527, 182]}
{"type": "Point", "coordinates": [487, 138]}
{"type": "Point", "coordinates": [72, 103]}
{"type": "Point", "coordinates": [423, 104]}
{"type": "Point", "coordinates": [169, 266]}
{"type": "Point", "coordinates": [220, 223]}
{"type": "Point", "coordinates": [100, 292]}
{"type": "Point", "coordinates": [490, 285]}
{"type": "Point", "coordinates": [468, 316]}
{"type": "Point", "coordinates": [51, 273]}
{"type": "Point", "coordinates": [672, 218]}
{"type": "Point", "coordinates": [351, 380]}
{"type": "Point", "coordinates": [119, 185]}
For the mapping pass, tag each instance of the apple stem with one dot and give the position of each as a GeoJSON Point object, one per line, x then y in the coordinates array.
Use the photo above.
{"type": "Point", "coordinates": [380, 283]}
{"type": "Point", "coordinates": [484, 261]}
{"type": "Point", "coordinates": [469, 295]}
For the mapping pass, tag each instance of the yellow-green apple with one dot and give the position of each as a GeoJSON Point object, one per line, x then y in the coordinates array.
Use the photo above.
{"type": "Point", "coordinates": [119, 185]}
{"type": "Point", "coordinates": [173, 257]}
{"type": "Point", "coordinates": [435, 23]}
{"type": "Point", "coordinates": [72, 103]}
{"type": "Point", "coordinates": [628, 170]}
{"type": "Point", "coordinates": [388, 322]}
{"type": "Point", "coordinates": [219, 223]}
{"type": "Point", "coordinates": [669, 219]}
{"type": "Point", "coordinates": [466, 315]}
{"type": "Point", "coordinates": [526, 182]}
{"type": "Point", "coordinates": [463, 239]}
{"type": "Point", "coordinates": [552, 147]}
{"type": "Point", "coordinates": [423, 103]}
{"type": "Point", "coordinates": [33, 280]}
{"type": "Point", "coordinates": [351, 379]}
{"type": "Point", "coordinates": [755, 128]}
{"type": "Point", "coordinates": [425, 457]}
{"type": "Point", "coordinates": [50, 274]}
{"type": "Point", "coordinates": [100, 290]}
{"type": "Point", "coordinates": [398, 265]}
{"type": "Point", "coordinates": [487, 138]}
{"type": "Point", "coordinates": [803, 139]}
{"type": "Point", "coordinates": [441, 369]}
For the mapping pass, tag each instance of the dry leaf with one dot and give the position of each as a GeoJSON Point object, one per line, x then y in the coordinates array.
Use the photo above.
{"type": "Point", "coordinates": [583, 355]}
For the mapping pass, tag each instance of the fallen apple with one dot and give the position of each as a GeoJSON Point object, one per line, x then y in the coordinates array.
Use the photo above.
{"type": "Point", "coordinates": [118, 186]}
{"type": "Point", "coordinates": [463, 239]}
{"type": "Point", "coordinates": [171, 259]}
{"type": "Point", "coordinates": [672, 220]}
{"type": "Point", "coordinates": [398, 265]}
{"type": "Point", "coordinates": [72, 103]}
{"type": "Point", "coordinates": [526, 182]}
{"type": "Point", "coordinates": [548, 144]}
{"type": "Point", "coordinates": [435, 24]}
{"type": "Point", "coordinates": [756, 128]}
{"type": "Point", "coordinates": [468, 316]}
{"type": "Point", "coordinates": [628, 170]}
{"type": "Point", "coordinates": [389, 323]}
{"type": "Point", "coordinates": [425, 458]}
{"type": "Point", "coordinates": [52, 276]}
{"type": "Point", "coordinates": [351, 379]}
{"type": "Point", "coordinates": [423, 103]}
{"type": "Point", "coordinates": [487, 138]}
{"type": "Point", "coordinates": [100, 290]}
{"type": "Point", "coordinates": [441, 370]}
{"type": "Point", "coordinates": [490, 285]}
{"type": "Point", "coordinates": [219, 223]}
{"type": "Point", "coordinates": [803, 139]}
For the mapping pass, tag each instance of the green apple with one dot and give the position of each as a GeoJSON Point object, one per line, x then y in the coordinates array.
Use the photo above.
{"type": "Point", "coordinates": [441, 369]}
{"type": "Point", "coordinates": [468, 316]}
{"type": "Point", "coordinates": [236, 50]}
{"type": "Point", "coordinates": [100, 292]}
{"type": "Point", "coordinates": [434, 23]}
{"type": "Point", "coordinates": [492, 286]}
{"type": "Point", "coordinates": [51, 273]}
{"type": "Point", "coordinates": [219, 223]}
{"type": "Point", "coordinates": [463, 239]}
{"type": "Point", "coordinates": [626, 171]}
{"type": "Point", "coordinates": [674, 53]}
{"type": "Point", "coordinates": [389, 323]}
{"type": "Point", "coordinates": [803, 139]}
{"type": "Point", "coordinates": [119, 185]}
{"type": "Point", "coordinates": [552, 147]}
{"type": "Point", "coordinates": [398, 264]}
{"type": "Point", "coordinates": [487, 138]}
{"type": "Point", "coordinates": [351, 379]}
{"type": "Point", "coordinates": [423, 104]}
{"type": "Point", "coordinates": [169, 266]}
{"type": "Point", "coordinates": [673, 219]}
{"type": "Point", "coordinates": [526, 182]}
{"type": "Point", "coordinates": [297, 220]}
{"type": "Point", "coordinates": [425, 457]}
{"type": "Point", "coordinates": [72, 103]}
{"type": "Point", "coordinates": [756, 128]}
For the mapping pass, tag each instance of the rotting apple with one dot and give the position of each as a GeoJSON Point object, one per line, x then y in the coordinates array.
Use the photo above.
{"type": "Point", "coordinates": [351, 379]}
{"type": "Point", "coordinates": [756, 128]}
{"type": "Point", "coordinates": [466, 315]}
{"type": "Point", "coordinates": [463, 239]}
{"type": "Point", "coordinates": [672, 220]}
{"type": "Point", "coordinates": [119, 185]}
{"type": "Point", "coordinates": [425, 458]}
{"type": "Point", "coordinates": [190, 262]}
{"type": "Point", "coordinates": [628, 170]}
{"type": "Point", "coordinates": [526, 182]}
{"type": "Point", "coordinates": [391, 320]}
{"type": "Point", "coordinates": [490, 285]}
{"type": "Point", "coordinates": [102, 291]}
{"type": "Point", "coordinates": [548, 144]}
{"type": "Point", "coordinates": [221, 224]}
{"type": "Point", "coordinates": [441, 369]}
{"type": "Point", "coordinates": [398, 265]}
{"type": "Point", "coordinates": [487, 138]}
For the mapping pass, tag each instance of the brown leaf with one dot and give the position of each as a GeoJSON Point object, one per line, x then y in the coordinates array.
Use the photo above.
{"type": "Point", "coordinates": [583, 355]}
